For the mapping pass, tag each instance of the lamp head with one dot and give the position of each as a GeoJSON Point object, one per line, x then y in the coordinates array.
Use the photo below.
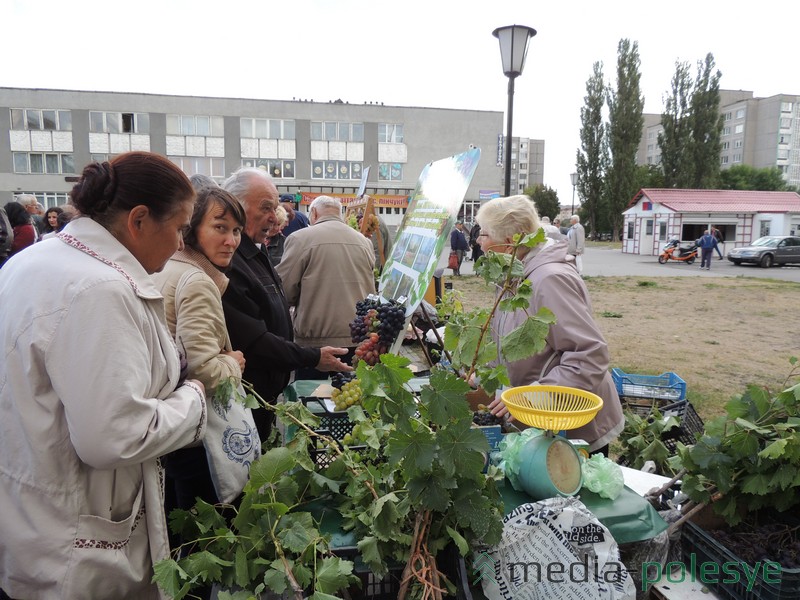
{"type": "Point", "coordinates": [574, 178]}
{"type": "Point", "coordinates": [513, 47]}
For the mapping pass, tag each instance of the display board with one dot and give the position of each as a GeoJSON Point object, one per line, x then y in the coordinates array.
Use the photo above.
{"type": "Point", "coordinates": [426, 227]}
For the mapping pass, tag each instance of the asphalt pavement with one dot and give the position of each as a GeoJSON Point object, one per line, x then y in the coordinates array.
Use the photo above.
{"type": "Point", "coordinates": [604, 261]}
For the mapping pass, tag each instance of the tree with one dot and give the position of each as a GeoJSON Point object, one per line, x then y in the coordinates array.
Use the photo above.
{"type": "Point", "coordinates": [690, 143]}
{"type": "Point", "coordinates": [649, 176]}
{"type": "Point", "coordinates": [745, 177]}
{"type": "Point", "coordinates": [545, 199]}
{"type": "Point", "coordinates": [706, 126]}
{"type": "Point", "coordinates": [592, 157]}
{"type": "Point", "coordinates": [674, 140]}
{"type": "Point", "coordinates": [625, 124]}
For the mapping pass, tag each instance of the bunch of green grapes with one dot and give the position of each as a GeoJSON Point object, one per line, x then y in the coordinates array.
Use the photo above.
{"type": "Point", "coordinates": [355, 437]}
{"type": "Point", "coordinates": [347, 396]}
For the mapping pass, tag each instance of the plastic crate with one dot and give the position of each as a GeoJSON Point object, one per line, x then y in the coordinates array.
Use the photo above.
{"type": "Point", "coordinates": [332, 424]}
{"type": "Point", "coordinates": [706, 549]}
{"type": "Point", "coordinates": [667, 386]}
{"type": "Point", "coordinates": [690, 429]}
{"type": "Point", "coordinates": [644, 406]}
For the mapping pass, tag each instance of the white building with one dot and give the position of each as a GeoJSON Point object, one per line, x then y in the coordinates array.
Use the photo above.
{"type": "Point", "coordinates": [656, 216]}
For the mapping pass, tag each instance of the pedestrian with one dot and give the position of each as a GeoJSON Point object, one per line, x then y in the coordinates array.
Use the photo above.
{"type": "Point", "coordinates": [707, 243]}
{"type": "Point", "coordinates": [474, 242]}
{"type": "Point", "coordinates": [576, 240]}
{"type": "Point", "coordinates": [551, 231]}
{"type": "Point", "coordinates": [720, 240]}
{"type": "Point", "coordinates": [92, 390]}
{"type": "Point", "coordinates": [459, 245]}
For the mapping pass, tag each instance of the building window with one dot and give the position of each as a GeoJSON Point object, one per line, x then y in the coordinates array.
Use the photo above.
{"type": "Point", "coordinates": [46, 163]}
{"type": "Point", "coordinates": [786, 123]}
{"type": "Point", "coordinates": [111, 122]}
{"type": "Point", "coordinates": [272, 129]}
{"type": "Point", "coordinates": [764, 228]}
{"type": "Point", "coordinates": [726, 145]}
{"type": "Point", "coordinates": [786, 107]}
{"type": "Point", "coordinates": [199, 125]}
{"type": "Point", "coordinates": [726, 131]}
{"type": "Point", "coordinates": [651, 135]}
{"type": "Point", "coordinates": [737, 158]}
{"type": "Point", "coordinates": [738, 143]}
{"type": "Point", "coordinates": [648, 227]}
{"type": "Point", "coordinates": [739, 128]}
{"type": "Point", "coordinates": [723, 160]}
{"type": "Point", "coordinates": [630, 231]}
{"type": "Point", "coordinates": [335, 169]}
{"type": "Point", "coordinates": [277, 167]}
{"type": "Point", "coordinates": [390, 133]}
{"type": "Point", "coordinates": [728, 116]}
{"type": "Point", "coordinates": [740, 113]}
{"type": "Point", "coordinates": [662, 230]}
{"type": "Point", "coordinates": [200, 165]}
{"type": "Point", "coordinates": [337, 131]}
{"type": "Point", "coordinates": [783, 154]}
{"type": "Point", "coordinates": [34, 119]}
{"type": "Point", "coordinates": [390, 172]}
{"type": "Point", "coordinates": [784, 138]}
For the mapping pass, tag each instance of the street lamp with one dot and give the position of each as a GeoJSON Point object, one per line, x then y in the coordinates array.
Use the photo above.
{"type": "Point", "coordinates": [513, 48]}
{"type": "Point", "coordinates": [574, 178]}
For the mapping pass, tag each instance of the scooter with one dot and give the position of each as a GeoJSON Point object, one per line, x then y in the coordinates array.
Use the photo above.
{"type": "Point", "coordinates": [674, 251]}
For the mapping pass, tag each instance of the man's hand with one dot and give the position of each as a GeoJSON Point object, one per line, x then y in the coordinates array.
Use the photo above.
{"type": "Point", "coordinates": [329, 361]}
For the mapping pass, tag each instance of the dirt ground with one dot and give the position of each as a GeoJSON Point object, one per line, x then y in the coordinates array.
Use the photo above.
{"type": "Point", "coordinates": [718, 335]}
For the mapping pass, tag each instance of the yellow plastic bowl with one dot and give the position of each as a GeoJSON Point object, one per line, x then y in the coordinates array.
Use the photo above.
{"type": "Point", "coordinates": [552, 407]}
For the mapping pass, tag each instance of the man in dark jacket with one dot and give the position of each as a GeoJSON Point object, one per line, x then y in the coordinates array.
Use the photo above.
{"type": "Point", "coordinates": [459, 245]}
{"type": "Point", "coordinates": [6, 236]}
{"type": "Point", "coordinates": [707, 243]}
{"type": "Point", "coordinates": [256, 311]}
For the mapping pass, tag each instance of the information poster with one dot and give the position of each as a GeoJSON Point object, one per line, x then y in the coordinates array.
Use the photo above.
{"type": "Point", "coordinates": [426, 227]}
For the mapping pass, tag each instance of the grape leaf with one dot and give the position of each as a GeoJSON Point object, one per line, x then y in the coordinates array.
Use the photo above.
{"type": "Point", "coordinates": [333, 574]}
{"type": "Point", "coordinates": [276, 580]}
{"type": "Point", "coordinates": [459, 540]}
{"type": "Point", "coordinates": [529, 337]}
{"type": "Point", "coordinates": [242, 575]}
{"type": "Point", "coordinates": [774, 450]}
{"type": "Point", "coordinates": [444, 397]}
{"type": "Point", "coordinates": [416, 450]}
{"type": "Point", "coordinates": [370, 552]}
{"type": "Point", "coordinates": [461, 450]}
{"type": "Point", "coordinates": [302, 574]}
{"type": "Point", "coordinates": [170, 577]}
{"type": "Point", "coordinates": [385, 516]}
{"type": "Point", "coordinates": [269, 468]}
{"type": "Point", "coordinates": [755, 484]}
{"type": "Point", "coordinates": [296, 531]}
{"type": "Point", "coordinates": [205, 564]}
{"type": "Point", "coordinates": [431, 490]}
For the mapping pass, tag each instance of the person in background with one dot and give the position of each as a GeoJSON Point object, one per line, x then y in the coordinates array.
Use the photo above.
{"type": "Point", "coordinates": [296, 219]}
{"type": "Point", "coordinates": [51, 220]}
{"type": "Point", "coordinates": [576, 240]}
{"type": "Point", "coordinates": [474, 232]}
{"type": "Point", "coordinates": [199, 181]}
{"type": "Point", "coordinates": [256, 310]}
{"type": "Point", "coordinates": [707, 243]}
{"type": "Point", "coordinates": [576, 354]}
{"type": "Point", "coordinates": [551, 231]}
{"type": "Point", "coordinates": [276, 241]}
{"type": "Point", "coordinates": [35, 210]}
{"type": "Point", "coordinates": [459, 245]}
{"type": "Point", "coordinates": [6, 236]}
{"type": "Point", "coordinates": [21, 224]}
{"type": "Point", "coordinates": [325, 270]}
{"type": "Point", "coordinates": [192, 283]}
{"type": "Point", "coordinates": [720, 240]}
{"type": "Point", "coordinates": [93, 392]}
{"type": "Point", "coordinates": [563, 230]}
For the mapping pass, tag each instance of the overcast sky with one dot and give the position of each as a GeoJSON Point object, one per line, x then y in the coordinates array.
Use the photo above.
{"type": "Point", "coordinates": [436, 53]}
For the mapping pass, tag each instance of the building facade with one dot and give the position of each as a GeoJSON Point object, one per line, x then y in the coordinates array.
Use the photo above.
{"type": "Point", "coordinates": [308, 147]}
{"type": "Point", "coordinates": [759, 132]}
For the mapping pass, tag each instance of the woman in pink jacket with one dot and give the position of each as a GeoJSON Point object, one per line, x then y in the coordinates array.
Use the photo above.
{"type": "Point", "coordinates": [576, 354]}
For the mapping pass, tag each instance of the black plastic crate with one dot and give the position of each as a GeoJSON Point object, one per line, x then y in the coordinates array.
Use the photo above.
{"type": "Point", "coordinates": [335, 425]}
{"type": "Point", "coordinates": [644, 406]}
{"type": "Point", "coordinates": [706, 549]}
{"type": "Point", "coordinates": [690, 429]}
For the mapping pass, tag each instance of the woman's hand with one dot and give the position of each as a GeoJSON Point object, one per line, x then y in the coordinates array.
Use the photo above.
{"type": "Point", "coordinates": [238, 357]}
{"type": "Point", "coordinates": [498, 408]}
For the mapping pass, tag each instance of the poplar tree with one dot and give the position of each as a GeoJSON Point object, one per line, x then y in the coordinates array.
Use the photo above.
{"type": "Point", "coordinates": [674, 139]}
{"type": "Point", "coordinates": [706, 122]}
{"type": "Point", "coordinates": [625, 123]}
{"type": "Point", "coordinates": [592, 157]}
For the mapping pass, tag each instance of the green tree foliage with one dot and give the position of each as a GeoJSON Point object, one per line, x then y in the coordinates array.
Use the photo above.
{"type": "Point", "coordinates": [592, 157]}
{"type": "Point", "coordinates": [690, 143]}
{"type": "Point", "coordinates": [624, 133]}
{"type": "Point", "coordinates": [546, 200]}
{"type": "Point", "coordinates": [649, 176]}
{"type": "Point", "coordinates": [706, 124]}
{"type": "Point", "coordinates": [745, 177]}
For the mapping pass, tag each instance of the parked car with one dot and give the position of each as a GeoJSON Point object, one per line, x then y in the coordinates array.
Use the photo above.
{"type": "Point", "coordinates": [768, 250]}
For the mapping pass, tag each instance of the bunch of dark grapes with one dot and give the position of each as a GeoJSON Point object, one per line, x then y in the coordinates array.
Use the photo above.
{"type": "Point", "coordinates": [375, 328]}
{"type": "Point", "coordinates": [482, 417]}
{"type": "Point", "coordinates": [339, 379]}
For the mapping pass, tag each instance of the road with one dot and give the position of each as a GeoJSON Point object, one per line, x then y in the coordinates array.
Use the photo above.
{"type": "Point", "coordinates": [604, 261]}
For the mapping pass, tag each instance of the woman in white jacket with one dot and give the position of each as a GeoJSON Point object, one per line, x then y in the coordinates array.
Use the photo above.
{"type": "Point", "coordinates": [91, 390]}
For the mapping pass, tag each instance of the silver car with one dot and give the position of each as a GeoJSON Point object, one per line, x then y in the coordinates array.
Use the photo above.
{"type": "Point", "coordinates": [768, 250]}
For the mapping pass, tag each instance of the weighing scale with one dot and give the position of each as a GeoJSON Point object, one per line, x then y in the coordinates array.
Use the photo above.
{"type": "Point", "coordinates": [549, 464]}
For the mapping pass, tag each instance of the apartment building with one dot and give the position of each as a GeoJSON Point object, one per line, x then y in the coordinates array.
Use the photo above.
{"type": "Point", "coordinates": [759, 132]}
{"type": "Point", "coordinates": [308, 147]}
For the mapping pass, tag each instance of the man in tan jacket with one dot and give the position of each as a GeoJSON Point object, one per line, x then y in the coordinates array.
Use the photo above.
{"type": "Point", "coordinates": [326, 269]}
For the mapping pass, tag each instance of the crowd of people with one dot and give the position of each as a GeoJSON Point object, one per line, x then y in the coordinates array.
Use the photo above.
{"type": "Point", "coordinates": [165, 288]}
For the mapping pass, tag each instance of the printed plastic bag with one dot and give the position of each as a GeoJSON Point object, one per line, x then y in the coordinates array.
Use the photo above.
{"type": "Point", "coordinates": [603, 476]}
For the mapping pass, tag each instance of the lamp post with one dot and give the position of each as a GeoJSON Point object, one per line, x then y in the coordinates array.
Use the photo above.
{"type": "Point", "coordinates": [574, 178]}
{"type": "Point", "coordinates": [513, 48]}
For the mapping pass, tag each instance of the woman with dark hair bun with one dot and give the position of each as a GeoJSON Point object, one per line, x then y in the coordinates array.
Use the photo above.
{"type": "Point", "coordinates": [93, 391]}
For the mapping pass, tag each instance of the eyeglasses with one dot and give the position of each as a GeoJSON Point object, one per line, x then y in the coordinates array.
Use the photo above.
{"type": "Point", "coordinates": [482, 235]}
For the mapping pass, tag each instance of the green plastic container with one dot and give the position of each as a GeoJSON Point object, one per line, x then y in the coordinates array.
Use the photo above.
{"type": "Point", "coordinates": [550, 467]}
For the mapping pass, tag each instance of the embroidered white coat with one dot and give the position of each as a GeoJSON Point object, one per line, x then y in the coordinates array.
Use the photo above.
{"type": "Point", "coordinates": [88, 378]}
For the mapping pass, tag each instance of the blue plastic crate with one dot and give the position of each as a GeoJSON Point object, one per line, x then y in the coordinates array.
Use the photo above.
{"type": "Point", "coordinates": [667, 386]}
